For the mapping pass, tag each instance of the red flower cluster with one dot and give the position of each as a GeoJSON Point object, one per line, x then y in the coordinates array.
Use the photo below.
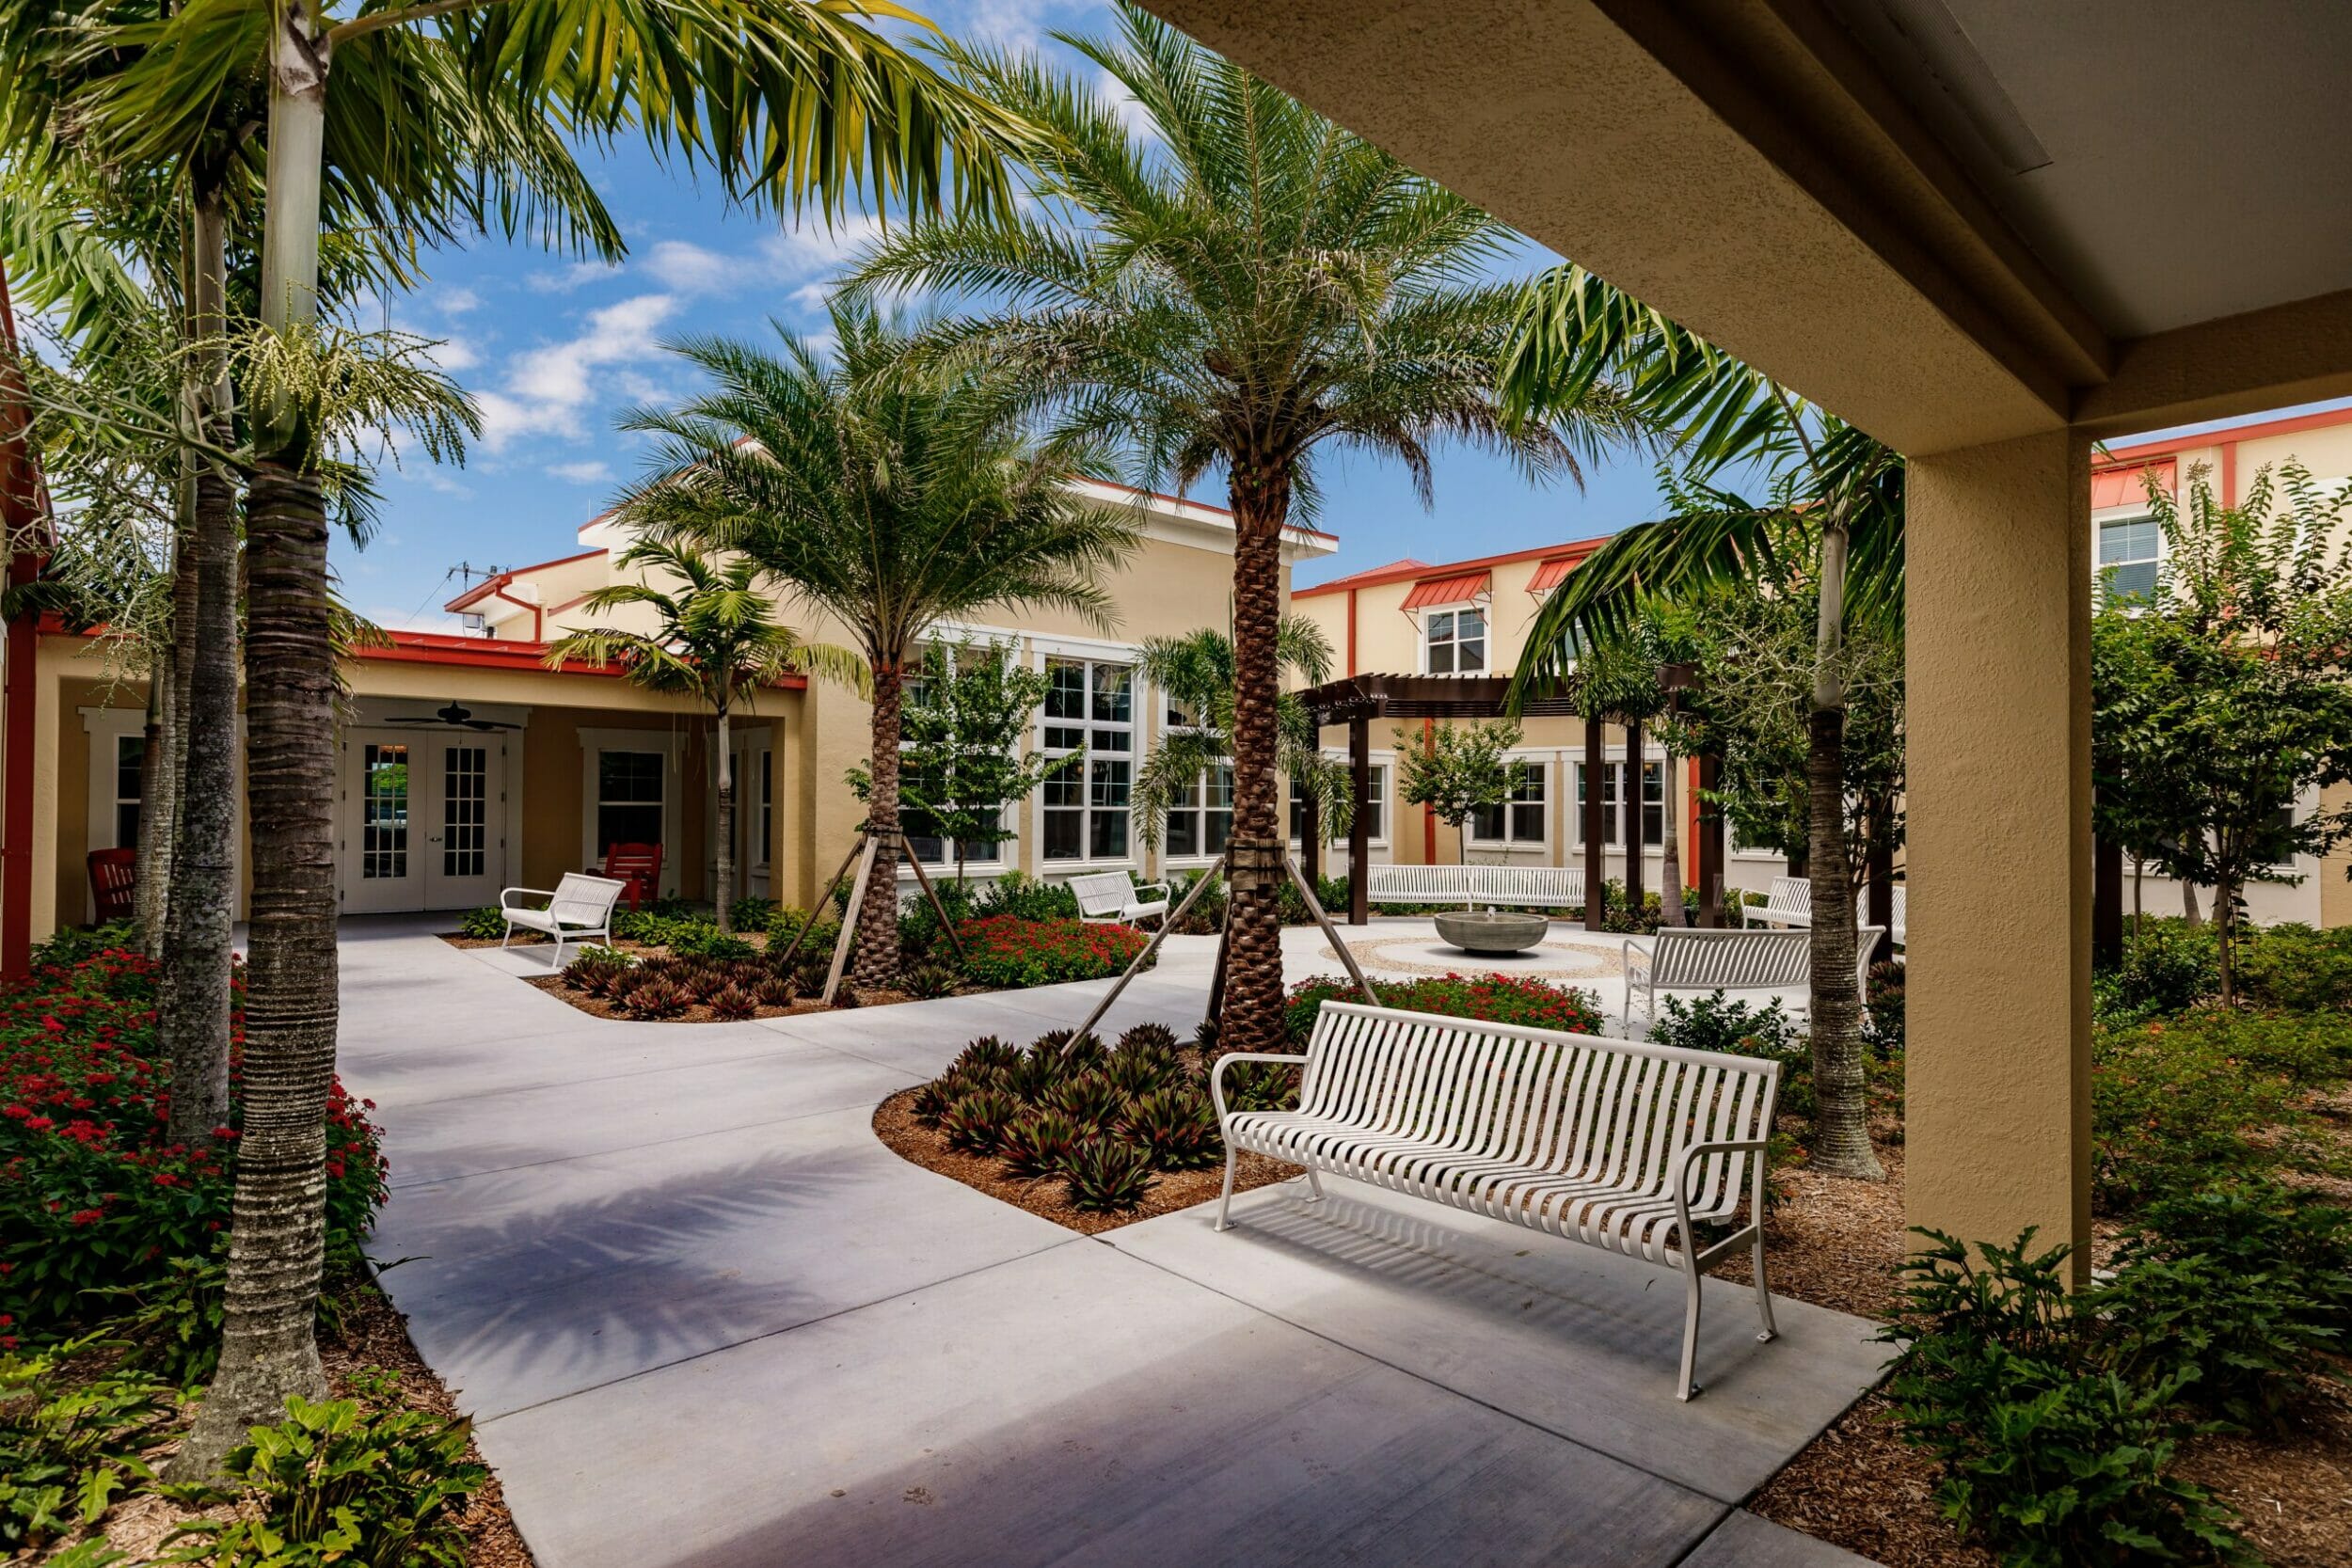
{"type": "Point", "coordinates": [1489, 998]}
{"type": "Point", "coordinates": [92, 1195]}
{"type": "Point", "coordinates": [1009, 951]}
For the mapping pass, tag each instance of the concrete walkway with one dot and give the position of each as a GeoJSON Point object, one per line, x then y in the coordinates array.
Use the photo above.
{"type": "Point", "coordinates": [705, 1320]}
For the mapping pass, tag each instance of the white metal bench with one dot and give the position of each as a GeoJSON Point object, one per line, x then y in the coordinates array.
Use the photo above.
{"type": "Point", "coordinates": [1610, 1142]}
{"type": "Point", "coordinates": [1790, 903]}
{"type": "Point", "coordinates": [1112, 897]}
{"type": "Point", "coordinates": [1540, 887]}
{"type": "Point", "coordinates": [1690, 958]}
{"type": "Point", "coordinates": [581, 907]}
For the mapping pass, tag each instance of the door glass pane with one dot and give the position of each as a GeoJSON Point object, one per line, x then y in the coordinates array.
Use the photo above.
{"type": "Point", "coordinates": [465, 811]}
{"type": "Point", "coordinates": [384, 812]}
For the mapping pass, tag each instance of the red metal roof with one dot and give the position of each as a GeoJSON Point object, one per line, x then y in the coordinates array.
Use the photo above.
{"type": "Point", "coordinates": [2129, 487]}
{"type": "Point", "coordinates": [1407, 570]}
{"type": "Point", "coordinates": [1552, 573]}
{"type": "Point", "coordinates": [488, 586]}
{"type": "Point", "coordinates": [1458, 588]}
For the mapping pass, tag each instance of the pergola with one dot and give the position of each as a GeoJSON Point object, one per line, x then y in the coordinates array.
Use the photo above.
{"type": "Point", "coordinates": [1989, 235]}
{"type": "Point", "coordinates": [1356, 701]}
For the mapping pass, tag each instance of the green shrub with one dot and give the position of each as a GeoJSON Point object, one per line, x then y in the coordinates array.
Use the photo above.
{"type": "Point", "coordinates": [1489, 998]}
{"type": "Point", "coordinates": [2049, 1454]}
{"type": "Point", "coordinates": [1089, 1099]}
{"type": "Point", "coordinates": [1149, 1037]}
{"type": "Point", "coordinates": [1079, 1052]}
{"type": "Point", "coordinates": [2169, 967]}
{"type": "Point", "coordinates": [930, 978]}
{"type": "Point", "coordinates": [1013, 951]}
{"type": "Point", "coordinates": [977, 1121]}
{"type": "Point", "coordinates": [1038, 1143]}
{"type": "Point", "coordinates": [918, 923]}
{"type": "Point", "coordinates": [1140, 1069]}
{"type": "Point", "coordinates": [598, 970]}
{"type": "Point", "coordinates": [750, 912]}
{"type": "Point", "coordinates": [70, 1437]}
{"type": "Point", "coordinates": [1206, 917]}
{"type": "Point", "coordinates": [1176, 1126]}
{"type": "Point", "coordinates": [487, 924]}
{"type": "Point", "coordinates": [1025, 897]}
{"type": "Point", "coordinates": [338, 1484]}
{"type": "Point", "coordinates": [1261, 1086]}
{"type": "Point", "coordinates": [2296, 967]}
{"type": "Point", "coordinates": [986, 1054]}
{"type": "Point", "coordinates": [1712, 1023]}
{"type": "Point", "coordinates": [93, 1197]}
{"type": "Point", "coordinates": [1105, 1175]}
{"type": "Point", "coordinates": [1883, 1029]}
{"type": "Point", "coordinates": [785, 924]}
{"type": "Point", "coordinates": [75, 944]}
{"type": "Point", "coordinates": [2201, 1098]}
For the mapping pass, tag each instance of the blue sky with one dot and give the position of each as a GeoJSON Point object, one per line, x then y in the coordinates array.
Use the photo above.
{"type": "Point", "coordinates": [555, 350]}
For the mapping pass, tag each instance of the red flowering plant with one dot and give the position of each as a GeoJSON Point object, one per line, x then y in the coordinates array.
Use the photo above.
{"type": "Point", "coordinates": [1489, 998]}
{"type": "Point", "coordinates": [1008, 950]}
{"type": "Point", "coordinates": [92, 1194]}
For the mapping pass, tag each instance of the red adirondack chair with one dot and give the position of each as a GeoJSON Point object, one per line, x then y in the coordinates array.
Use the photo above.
{"type": "Point", "coordinates": [638, 865]}
{"type": "Point", "coordinates": [114, 876]}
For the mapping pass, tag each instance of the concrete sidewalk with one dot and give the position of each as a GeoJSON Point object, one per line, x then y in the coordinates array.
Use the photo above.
{"type": "Point", "coordinates": [707, 1321]}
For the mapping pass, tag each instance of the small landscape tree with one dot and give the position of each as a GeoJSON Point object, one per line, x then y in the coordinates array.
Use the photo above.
{"type": "Point", "coordinates": [1460, 770]}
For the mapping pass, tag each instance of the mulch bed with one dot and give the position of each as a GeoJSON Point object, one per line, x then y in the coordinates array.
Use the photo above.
{"type": "Point", "coordinates": [372, 1335]}
{"type": "Point", "coordinates": [1045, 1195]}
{"type": "Point", "coordinates": [603, 1007]}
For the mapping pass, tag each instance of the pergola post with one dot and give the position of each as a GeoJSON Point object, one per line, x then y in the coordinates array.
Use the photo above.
{"type": "Point", "coordinates": [1359, 825]}
{"type": "Point", "coordinates": [1636, 774]}
{"type": "Point", "coordinates": [1596, 826]}
{"type": "Point", "coordinates": [1710, 832]}
{"type": "Point", "coordinates": [2106, 903]}
{"type": "Point", "coordinates": [1997, 1094]}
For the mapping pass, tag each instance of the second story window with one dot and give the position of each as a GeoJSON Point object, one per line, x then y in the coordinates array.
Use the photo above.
{"type": "Point", "coordinates": [1453, 641]}
{"type": "Point", "coordinates": [2128, 558]}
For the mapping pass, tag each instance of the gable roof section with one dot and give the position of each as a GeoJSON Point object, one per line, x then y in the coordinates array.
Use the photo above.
{"type": "Point", "coordinates": [490, 585]}
{"type": "Point", "coordinates": [1572, 552]}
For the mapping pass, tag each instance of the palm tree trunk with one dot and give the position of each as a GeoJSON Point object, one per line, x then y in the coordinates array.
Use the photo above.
{"type": "Point", "coordinates": [1841, 1141]}
{"type": "Point", "coordinates": [1251, 1013]}
{"type": "Point", "coordinates": [156, 789]}
{"type": "Point", "coordinates": [723, 870]}
{"type": "Point", "coordinates": [878, 917]}
{"type": "Point", "coordinates": [277, 1233]}
{"type": "Point", "coordinates": [196, 1002]}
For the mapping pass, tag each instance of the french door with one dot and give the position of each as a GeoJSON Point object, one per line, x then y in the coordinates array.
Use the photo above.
{"type": "Point", "coordinates": [424, 820]}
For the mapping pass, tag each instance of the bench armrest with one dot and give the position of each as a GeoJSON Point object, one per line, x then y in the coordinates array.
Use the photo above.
{"type": "Point", "coordinates": [1142, 887]}
{"type": "Point", "coordinates": [1216, 1074]}
{"type": "Point", "coordinates": [507, 895]}
{"type": "Point", "coordinates": [1692, 1154]}
{"type": "Point", "coordinates": [1635, 955]}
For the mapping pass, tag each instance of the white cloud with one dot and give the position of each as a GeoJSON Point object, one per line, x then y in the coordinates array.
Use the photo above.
{"type": "Point", "coordinates": [1017, 25]}
{"type": "Point", "coordinates": [590, 472]}
{"type": "Point", "coordinates": [692, 269]}
{"type": "Point", "coordinates": [578, 275]}
{"type": "Point", "coordinates": [451, 353]}
{"type": "Point", "coordinates": [546, 389]}
{"type": "Point", "coordinates": [453, 302]}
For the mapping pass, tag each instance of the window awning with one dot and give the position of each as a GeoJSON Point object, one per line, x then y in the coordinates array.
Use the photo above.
{"type": "Point", "coordinates": [1461, 589]}
{"type": "Point", "coordinates": [2129, 487]}
{"type": "Point", "coordinates": [1552, 573]}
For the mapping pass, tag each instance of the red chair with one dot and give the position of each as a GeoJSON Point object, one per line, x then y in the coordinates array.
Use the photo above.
{"type": "Point", "coordinates": [640, 866]}
{"type": "Point", "coordinates": [114, 878]}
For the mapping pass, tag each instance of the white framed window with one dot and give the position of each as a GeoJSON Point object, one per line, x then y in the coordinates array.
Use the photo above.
{"type": "Point", "coordinates": [930, 848]}
{"type": "Point", "coordinates": [1654, 803]}
{"type": "Point", "coordinates": [1200, 825]}
{"type": "Point", "coordinates": [763, 834]}
{"type": "Point", "coordinates": [1090, 704]}
{"type": "Point", "coordinates": [631, 787]}
{"type": "Point", "coordinates": [126, 781]}
{"type": "Point", "coordinates": [1375, 802]}
{"type": "Point", "coordinates": [1610, 816]}
{"type": "Point", "coordinates": [1520, 820]}
{"type": "Point", "coordinates": [1453, 641]}
{"type": "Point", "coordinates": [1613, 779]}
{"type": "Point", "coordinates": [2127, 556]}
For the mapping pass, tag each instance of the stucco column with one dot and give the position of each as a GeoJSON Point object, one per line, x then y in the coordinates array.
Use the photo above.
{"type": "Point", "coordinates": [1997, 1101]}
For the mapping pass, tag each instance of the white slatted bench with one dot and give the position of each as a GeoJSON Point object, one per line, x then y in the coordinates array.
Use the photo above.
{"type": "Point", "coordinates": [1112, 897]}
{"type": "Point", "coordinates": [1610, 1142]}
{"type": "Point", "coordinates": [1790, 903]}
{"type": "Point", "coordinates": [1687, 959]}
{"type": "Point", "coordinates": [1541, 887]}
{"type": "Point", "coordinates": [579, 909]}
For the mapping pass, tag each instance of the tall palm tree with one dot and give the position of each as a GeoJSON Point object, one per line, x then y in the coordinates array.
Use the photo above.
{"type": "Point", "coordinates": [788, 101]}
{"type": "Point", "coordinates": [1195, 671]}
{"type": "Point", "coordinates": [714, 639]}
{"type": "Point", "coordinates": [887, 496]}
{"type": "Point", "coordinates": [1833, 516]}
{"type": "Point", "coordinates": [1245, 286]}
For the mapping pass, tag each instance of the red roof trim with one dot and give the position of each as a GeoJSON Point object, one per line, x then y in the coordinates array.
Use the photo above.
{"type": "Point", "coordinates": [1459, 588]}
{"type": "Point", "coordinates": [491, 585]}
{"type": "Point", "coordinates": [496, 653]}
{"type": "Point", "coordinates": [2255, 430]}
{"type": "Point", "coordinates": [1221, 511]}
{"type": "Point", "coordinates": [1407, 572]}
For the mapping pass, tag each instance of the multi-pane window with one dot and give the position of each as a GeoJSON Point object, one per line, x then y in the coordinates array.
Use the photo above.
{"type": "Point", "coordinates": [1453, 641]}
{"type": "Point", "coordinates": [384, 812]}
{"type": "Point", "coordinates": [924, 840]}
{"type": "Point", "coordinates": [1518, 820]}
{"type": "Point", "coordinates": [2127, 558]}
{"type": "Point", "coordinates": [1376, 825]}
{"type": "Point", "coordinates": [629, 797]}
{"type": "Point", "coordinates": [1090, 704]}
{"type": "Point", "coordinates": [1611, 815]}
{"type": "Point", "coordinates": [1201, 823]}
{"type": "Point", "coordinates": [129, 759]}
{"type": "Point", "coordinates": [465, 810]}
{"type": "Point", "coordinates": [763, 834]}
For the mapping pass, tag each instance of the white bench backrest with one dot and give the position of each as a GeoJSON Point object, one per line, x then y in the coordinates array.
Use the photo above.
{"type": "Point", "coordinates": [581, 899]}
{"type": "Point", "coordinates": [1791, 893]}
{"type": "Point", "coordinates": [1544, 886]}
{"type": "Point", "coordinates": [1733, 959]}
{"type": "Point", "coordinates": [1603, 1110]}
{"type": "Point", "coordinates": [1412, 883]}
{"type": "Point", "coordinates": [1102, 892]}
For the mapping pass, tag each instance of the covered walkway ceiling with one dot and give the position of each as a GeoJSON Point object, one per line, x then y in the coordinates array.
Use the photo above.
{"type": "Point", "coordinates": [1956, 221]}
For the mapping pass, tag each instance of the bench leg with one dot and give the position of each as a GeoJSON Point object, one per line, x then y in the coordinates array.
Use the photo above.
{"type": "Point", "coordinates": [1763, 1292]}
{"type": "Point", "coordinates": [508, 936]}
{"type": "Point", "coordinates": [1684, 1387]}
{"type": "Point", "coordinates": [1225, 1199]}
{"type": "Point", "coordinates": [1314, 1184]}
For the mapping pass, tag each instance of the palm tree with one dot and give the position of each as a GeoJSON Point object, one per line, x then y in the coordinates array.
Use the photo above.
{"type": "Point", "coordinates": [1195, 671]}
{"type": "Point", "coordinates": [1246, 287]}
{"type": "Point", "coordinates": [714, 639]}
{"type": "Point", "coordinates": [887, 496]}
{"type": "Point", "coordinates": [789, 100]}
{"type": "Point", "coordinates": [1833, 516]}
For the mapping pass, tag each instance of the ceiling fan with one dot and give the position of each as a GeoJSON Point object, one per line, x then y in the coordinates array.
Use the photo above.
{"type": "Point", "coordinates": [456, 715]}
